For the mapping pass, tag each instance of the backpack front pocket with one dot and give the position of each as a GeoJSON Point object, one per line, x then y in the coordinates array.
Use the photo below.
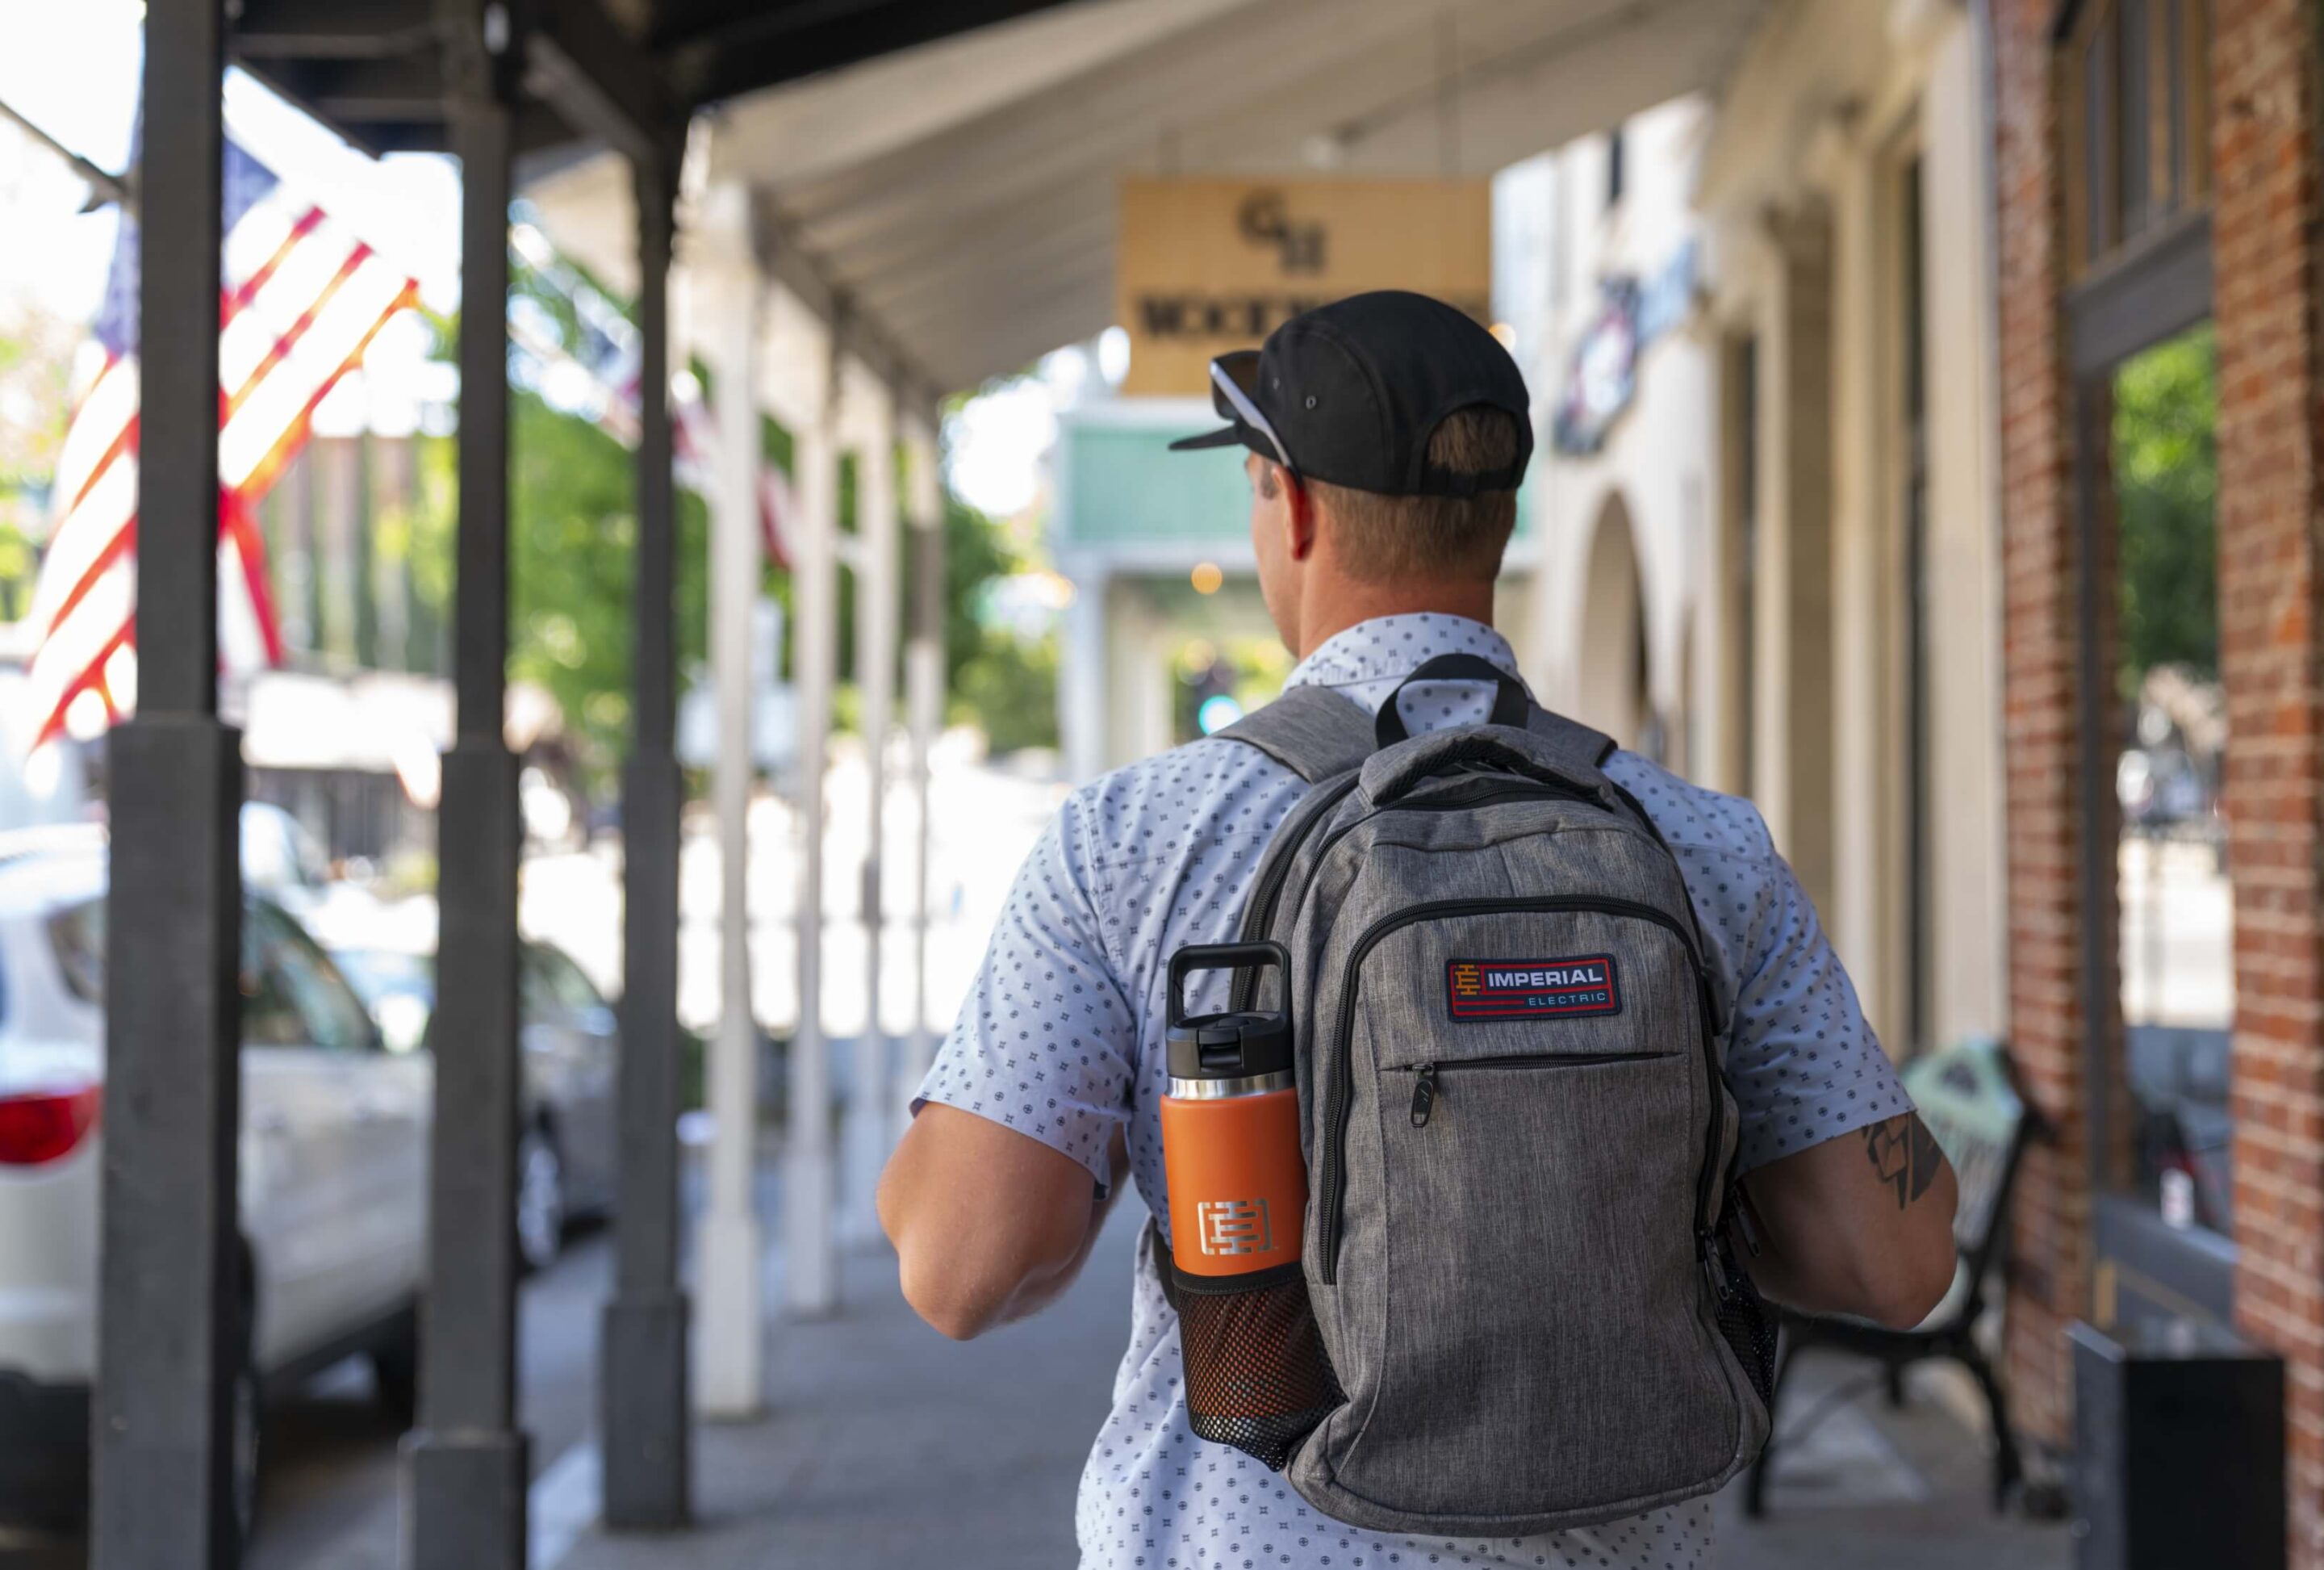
{"type": "Point", "coordinates": [1509, 1203]}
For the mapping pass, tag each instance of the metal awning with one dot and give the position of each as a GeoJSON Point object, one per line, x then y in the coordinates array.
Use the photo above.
{"type": "Point", "coordinates": [607, 70]}
{"type": "Point", "coordinates": [958, 196]}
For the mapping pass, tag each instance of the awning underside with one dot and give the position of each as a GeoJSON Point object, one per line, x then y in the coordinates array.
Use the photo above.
{"type": "Point", "coordinates": [946, 172]}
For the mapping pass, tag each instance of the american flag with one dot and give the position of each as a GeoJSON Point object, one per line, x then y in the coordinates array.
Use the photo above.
{"type": "Point", "coordinates": [302, 298]}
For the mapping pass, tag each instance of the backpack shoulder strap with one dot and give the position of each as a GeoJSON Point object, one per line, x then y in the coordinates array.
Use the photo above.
{"type": "Point", "coordinates": [1312, 730]}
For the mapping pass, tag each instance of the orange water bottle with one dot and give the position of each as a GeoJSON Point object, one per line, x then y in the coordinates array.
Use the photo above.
{"type": "Point", "coordinates": [1231, 1126]}
{"type": "Point", "coordinates": [1257, 1374]}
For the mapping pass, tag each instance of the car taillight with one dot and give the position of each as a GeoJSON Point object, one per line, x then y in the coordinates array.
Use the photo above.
{"type": "Point", "coordinates": [40, 1126]}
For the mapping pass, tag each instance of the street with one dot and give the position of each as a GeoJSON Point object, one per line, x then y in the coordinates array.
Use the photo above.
{"type": "Point", "coordinates": [329, 1493]}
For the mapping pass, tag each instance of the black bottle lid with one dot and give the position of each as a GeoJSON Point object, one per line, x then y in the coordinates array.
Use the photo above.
{"type": "Point", "coordinates": [1231, 1045]}
{"type": "Point", "coordinates": [1239, 1044]}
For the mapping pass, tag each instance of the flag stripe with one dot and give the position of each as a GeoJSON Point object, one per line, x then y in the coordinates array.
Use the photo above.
{"type": "Point", "coordinates": [82, 541]}
{"type": "Point", "coordinates": [109, 405]}
{"type": "Point", "coordinates": [260, 477]}
{"type": "Point", "coordinates": [286, 343]}
{"type": "Point", "coordinates": [239, 298]}
{"type": "Point", "coordinates": [253, 339]}
{"type": "Point", "coordinates": [75, 648]}
{"type": "Point", "coordinates": [93, 674]}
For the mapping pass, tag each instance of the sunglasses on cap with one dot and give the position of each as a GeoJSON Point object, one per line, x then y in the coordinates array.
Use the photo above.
{"type": "Point", "coordinates": [1234, 377]}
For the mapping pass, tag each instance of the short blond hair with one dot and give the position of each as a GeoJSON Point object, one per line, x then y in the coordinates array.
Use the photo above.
{"type": "Point", "coordinates": [1384, 538]}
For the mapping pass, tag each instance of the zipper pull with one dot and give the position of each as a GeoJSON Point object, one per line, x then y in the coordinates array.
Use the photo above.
{"type": "Point", "coordinates": [1714, 1273]}
{"type": "Point", "coordinates": [1424, 1096]}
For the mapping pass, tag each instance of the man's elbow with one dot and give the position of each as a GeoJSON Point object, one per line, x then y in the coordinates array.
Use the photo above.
{"type": "Point", "coordinates": [952, 1304]}
{"type": "Point", "coordinates": [1909, 1291]}
{"type": "Point", "coordinates": [1914, 1279]}
{"type": "Point", "coordinates": [942, 1286]}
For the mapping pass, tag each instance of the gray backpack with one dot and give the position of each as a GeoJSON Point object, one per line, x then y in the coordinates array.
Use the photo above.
{"type": "Point", "coordinates": [1519, 1142]}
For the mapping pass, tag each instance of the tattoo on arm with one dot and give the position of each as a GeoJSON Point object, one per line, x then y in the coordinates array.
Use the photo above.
{"type": "Point", "coordinates": [1904, 1155]}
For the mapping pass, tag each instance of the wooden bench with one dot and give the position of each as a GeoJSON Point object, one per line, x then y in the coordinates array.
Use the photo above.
{"type": "Point", "coordinates": [1969, 1097]}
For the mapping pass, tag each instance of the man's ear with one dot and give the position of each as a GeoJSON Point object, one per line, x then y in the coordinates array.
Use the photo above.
{"type": "Point", "coordinates": [1299, 514]}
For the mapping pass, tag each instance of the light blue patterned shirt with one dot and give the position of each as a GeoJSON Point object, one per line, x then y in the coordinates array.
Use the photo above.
{"type": "Point", "coordinates": [1061, 1038]}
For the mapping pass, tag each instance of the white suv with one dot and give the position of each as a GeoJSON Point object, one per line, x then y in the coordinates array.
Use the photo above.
{"type": "Point", "coordinates": [334, 1175]}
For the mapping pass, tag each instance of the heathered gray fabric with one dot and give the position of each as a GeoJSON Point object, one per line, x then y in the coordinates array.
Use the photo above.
{"type": "Point", "coordinates": [1311, 731]}
{"type": "Point", "coordinates": [1516, 1306]}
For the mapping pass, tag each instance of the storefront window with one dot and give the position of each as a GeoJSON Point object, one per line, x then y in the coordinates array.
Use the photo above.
{"type": "Point", "coordinates": [2138, 83]}
{"type": "Point", "coordinates": [2176, 909]}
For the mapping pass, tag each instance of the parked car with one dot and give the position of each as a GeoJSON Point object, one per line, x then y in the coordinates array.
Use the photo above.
{"type": "Point", "coordinates": [565, 1151]}
{"type": "Point", "coordinates": [334, 1154]}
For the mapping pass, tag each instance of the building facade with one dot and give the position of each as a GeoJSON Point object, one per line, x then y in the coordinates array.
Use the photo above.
{"type": "Point", "coordinates": [2158, 178]}
{"type": "Point", "coordinates": [1768, 556]}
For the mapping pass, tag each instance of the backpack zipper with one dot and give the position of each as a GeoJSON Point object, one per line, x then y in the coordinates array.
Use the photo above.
{"type": "Point", "coordinates": [1424, 1091]}
{"type": "Point", "coordinates": [1269, 894]}
{"type": "Point", "coordinates": [1339, 1087]}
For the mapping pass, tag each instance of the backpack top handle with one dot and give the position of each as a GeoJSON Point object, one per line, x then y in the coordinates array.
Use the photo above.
{"type": "Point", "coordinates": [1511, 703]}
{"type": "Point", "coordinates": [1390, 776]}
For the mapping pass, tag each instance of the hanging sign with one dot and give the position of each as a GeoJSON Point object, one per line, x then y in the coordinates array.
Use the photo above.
{"type": "Point", "coordinates": [1208, 265]}
{"type": "Point", "coordinates": [1603, 375]}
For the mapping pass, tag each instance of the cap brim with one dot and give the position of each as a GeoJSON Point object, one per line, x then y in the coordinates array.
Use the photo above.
{"type": "Point", "coordinates": [1226, 436]}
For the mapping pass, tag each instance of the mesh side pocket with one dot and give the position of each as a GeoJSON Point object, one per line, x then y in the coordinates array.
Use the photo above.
{"type": "Point", "coordinates": [1256, 1376]}
{"type": "Point", "coordinates": [1749, 1326]}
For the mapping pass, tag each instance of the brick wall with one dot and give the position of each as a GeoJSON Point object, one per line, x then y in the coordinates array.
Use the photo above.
{"type": "Point", "coordinates": [2040, 672]}
{"type": "Point", "coordinates": [2266, 218]}
{"type": "Point", "coordinates": [2265, 287]}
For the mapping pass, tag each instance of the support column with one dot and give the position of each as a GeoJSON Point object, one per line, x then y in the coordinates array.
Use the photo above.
{"type": "Point", "coordinates": [642, 1388]}
{"type": "Point", "coordinates": [869, 1107]}
{"type": "Point", "coordinates": [924, 693]}
{"type": "Point", "coordinates": [173, 1331]}
{"type": "Point", "coordinates": [465, 1467]}
{"type": "Point", "coordinates": [812, 1263]}
{"type": "Point", "coordinates": [1082, 677]}
{"type": "Point", "coordinates": [732, 1373]}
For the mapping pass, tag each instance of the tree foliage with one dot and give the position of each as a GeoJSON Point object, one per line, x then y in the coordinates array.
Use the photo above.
{"type": "Point", "coordinates": [1004, 684]}
{"type": "Point", "coordinates": [573, 532]}
{"type": "Point", "coordinates": [2166, 478]}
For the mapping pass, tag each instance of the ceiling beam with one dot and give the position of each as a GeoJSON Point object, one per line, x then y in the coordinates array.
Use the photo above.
{"type": "Point", "coordinates": [971, 352]}
{"type": "Point", "coordinates": [330, 28]}
{"type": "Point", "coordinates": [370, 91]}
{"type": "Point", "coordinates": [855, 333]}
{"type": "Point", "coordinates": [584, 65]}
{"type": "Point", "coordinates": [753, 44]}
{"type": "Point", "coordinates": [971, 283]}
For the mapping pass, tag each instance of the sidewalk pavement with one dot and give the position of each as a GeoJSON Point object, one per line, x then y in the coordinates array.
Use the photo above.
{"type": "Point", "coordinates": [886, 1445]}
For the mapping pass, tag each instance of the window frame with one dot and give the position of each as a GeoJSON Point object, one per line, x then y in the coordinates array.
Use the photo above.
{"type": "Point", "coordinates": [2146, 298]}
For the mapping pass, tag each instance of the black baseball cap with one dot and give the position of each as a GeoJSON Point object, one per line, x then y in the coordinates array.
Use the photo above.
{"type": "Point", "coordinates": [1350, 392]}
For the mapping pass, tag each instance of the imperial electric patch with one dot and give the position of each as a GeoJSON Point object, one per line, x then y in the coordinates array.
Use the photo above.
{"type": "Point", "coordinates": [1532, 989]}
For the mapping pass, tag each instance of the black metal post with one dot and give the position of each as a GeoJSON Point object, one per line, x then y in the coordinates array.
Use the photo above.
{"type": "Point", "coordinates": [175, 1316]}
{"type": "Point", "coordinates": [465, 1467]}
{"type": "Point", "coordinates": [642, 1383]}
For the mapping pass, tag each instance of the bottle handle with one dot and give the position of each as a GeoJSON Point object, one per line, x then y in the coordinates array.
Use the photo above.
{"type": "Point", "coordinates": [1197, 956]}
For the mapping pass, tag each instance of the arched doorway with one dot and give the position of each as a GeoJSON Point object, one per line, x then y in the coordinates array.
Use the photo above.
{"type": "Point", "coordinates": [1612, 691]}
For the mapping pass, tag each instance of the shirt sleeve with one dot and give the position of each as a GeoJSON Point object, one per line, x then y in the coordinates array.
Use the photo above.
{"type": "Point", "coordinates": [1045, 1043]}
{"type": "Point", "coordinates": [1801, 1060]}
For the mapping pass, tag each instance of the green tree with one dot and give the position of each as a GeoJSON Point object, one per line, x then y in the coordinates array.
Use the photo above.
{"type": "Point", "coordinates": [1001, 683]}
{"type": "Point", "coordinates": [2166, 477]}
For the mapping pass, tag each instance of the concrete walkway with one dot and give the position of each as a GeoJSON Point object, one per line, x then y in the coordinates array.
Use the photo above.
{"type": "Point", "coordinates": [887, 1446]}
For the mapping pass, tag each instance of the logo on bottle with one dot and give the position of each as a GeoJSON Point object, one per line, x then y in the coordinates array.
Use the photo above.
{"type": "Point", "coordinates": [1234, 1226]}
